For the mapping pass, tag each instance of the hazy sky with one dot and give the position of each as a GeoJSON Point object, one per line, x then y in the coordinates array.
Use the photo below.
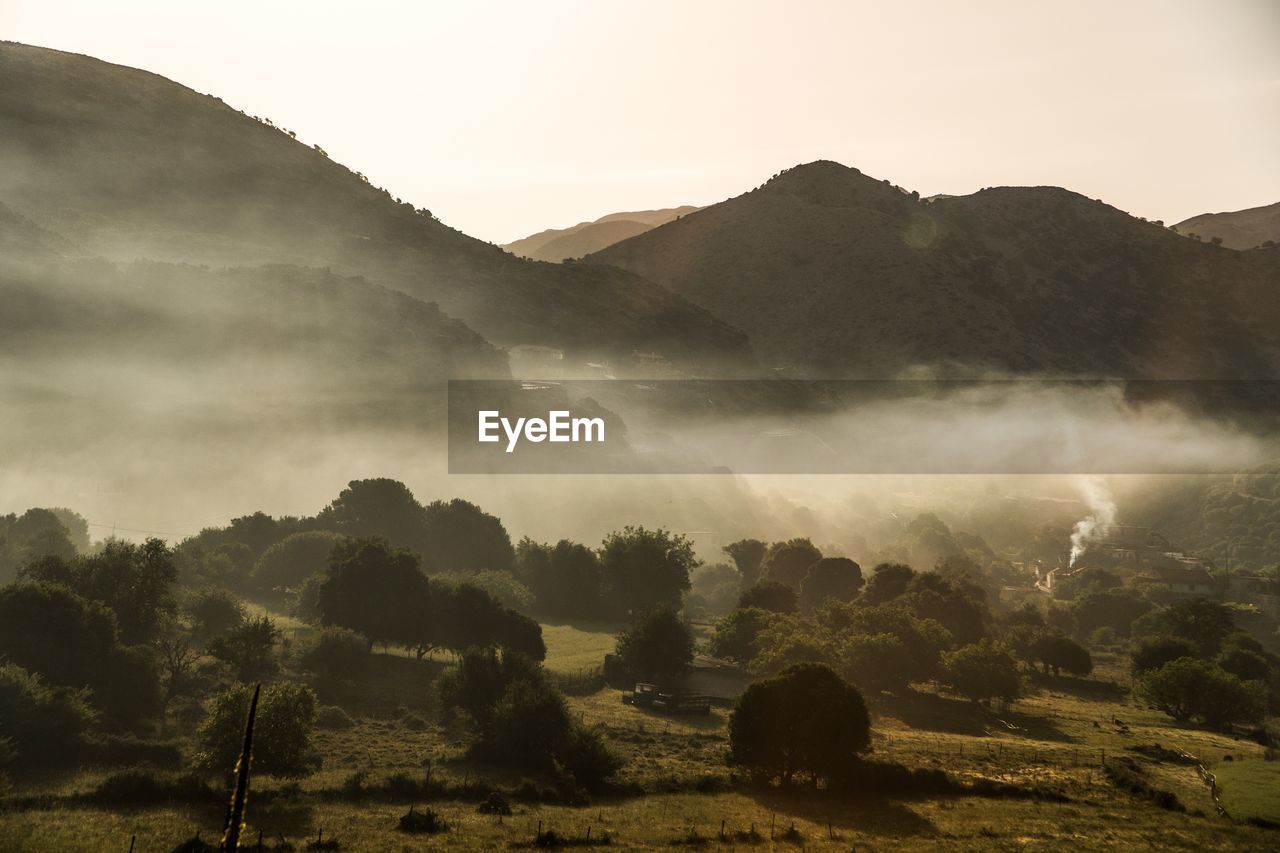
{"type": "Point", "coordinates": [506, 118]}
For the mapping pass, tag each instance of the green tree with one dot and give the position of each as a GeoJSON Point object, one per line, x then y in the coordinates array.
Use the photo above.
{"type": "Point", "coordinates": [737, 635]}
{"type": "Point", "coordinates": [1056, 652]}
{"type": "Point", "coordinates": [1154, 652]}
{"type": "Point", "coordinates": [747, 555]}
{"type": "Point", "coordinates": [213, 612]}
{"type": "Point", "coordinates": [658, 647]}
{"type": "Point", "coordinates": [45, 726]}
{"type": "Point", "coordinates": [298, 556]}
{"type": "Point", "coordinates": [770, 595]}
{"type": "Point", "coordinates": [72, 642]}
{"type": "Point", "coordinates": [135, 581]}
{"type": "Point", "coordinates": [887, 582]}
{"type": "Point", "coordinates": [249, 649]}
{"type": "Point", "coordinates": [564, 579]}
{"type": "Point", "coordinates": [788, 562]}
{"type": "Point", "coordinates": [282, 731]}
{"type": "Point", "coordinates": [645, 569]}
{"type": "Point", "coordinates": [379, 508]}
{"type": "Point", "coordinates": [804, 722]}
{"type": "Point", "coordinates": [377, 591]}
{"type": "Point", "coordinates": [1116, 609]}
{"type": "Point", "coordinates": [875, 662]}
{"type": "Point", "coordinates": [1202, 621]}
{"type": "Point", "coordinates": [1189, 689]}
{"type": "Point", "coordinates": [462, 537]}
{"type": "Point", "coordinates": [981, 671]}
{"type": "Point", "coordinates": [338, 657]}
{"type": "Point", "coordinates": [830, 577]}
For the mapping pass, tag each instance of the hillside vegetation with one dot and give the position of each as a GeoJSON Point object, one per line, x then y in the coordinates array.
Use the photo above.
{"type": "Point", "coordinates": [128, 164]}
{"type": "Point", "coordinates": [834, 273]}
{"type": "Point", "coordinates": [1239, 229]}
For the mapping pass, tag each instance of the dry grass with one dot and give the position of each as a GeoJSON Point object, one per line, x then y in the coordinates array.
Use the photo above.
{"type": "Point", "coordinates": [1054, 737]}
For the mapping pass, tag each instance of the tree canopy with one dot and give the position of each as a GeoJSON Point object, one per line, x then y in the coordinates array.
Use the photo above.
{"type": "Point", "coordinates": [805, 722]}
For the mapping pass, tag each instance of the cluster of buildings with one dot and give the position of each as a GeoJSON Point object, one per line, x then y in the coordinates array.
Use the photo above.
{"type": "Point", "coordinates": [1146, 556]}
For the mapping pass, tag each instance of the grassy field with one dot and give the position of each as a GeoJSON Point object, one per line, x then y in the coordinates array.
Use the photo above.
{"type": "Point", "coordinates": [1057, 738]}
{"type": "Point", "coordinates": [1250, 789]}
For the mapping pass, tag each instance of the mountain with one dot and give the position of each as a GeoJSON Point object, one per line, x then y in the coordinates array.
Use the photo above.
{"type": "Point", "coordinates": [557, 244]}
{"type": "Point", "coordinates": [128, 165]}
{"type": "Point", "coordinates": [833, 273]}
{"type": "Point", "coordinates": [277, 344]}
{"type": "Point", "coordinates": [1242, 229]}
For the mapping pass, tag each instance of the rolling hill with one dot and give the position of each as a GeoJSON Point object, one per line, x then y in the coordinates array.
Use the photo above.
{"type": "Point", "coordinates": [833, 273]}
{"type": "Point", "coordinates": [128, 165]}
{"type": "Point", "coordinates": [1241, 229]}
{"type": "Point", "coordinates": [557, 244]}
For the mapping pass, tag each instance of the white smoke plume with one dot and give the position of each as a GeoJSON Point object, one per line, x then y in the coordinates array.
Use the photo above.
{"type": "Point", "coordinates": [1101, 517]}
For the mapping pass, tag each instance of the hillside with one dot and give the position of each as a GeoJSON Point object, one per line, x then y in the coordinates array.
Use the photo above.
{"type": "Point", "coordinates": [1241, 229]}
{"type": "Point", "coordinates": [130, 165]}
{"type": "Point", "coordinates": [834, 273]}
{"type": "Point", "coordinates": [557, 244]}
{"type": "Point", "coordinates": [175, 350]}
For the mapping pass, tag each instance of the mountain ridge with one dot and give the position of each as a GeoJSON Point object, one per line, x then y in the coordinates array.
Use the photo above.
{"type": "Point", "coordinates": [129, 165]}
{"type": "Point", "coordinates": [835, 273]}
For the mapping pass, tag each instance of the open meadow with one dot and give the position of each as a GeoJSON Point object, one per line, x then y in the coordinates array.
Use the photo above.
{"type": "Point", "coordinates": [676, 791]}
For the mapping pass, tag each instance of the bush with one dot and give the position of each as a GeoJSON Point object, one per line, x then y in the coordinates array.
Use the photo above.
{"type": "Point", "coordinates": [43, 725]}
{"type": "Point", "coordinates": [736, 636]}
{"type": "Point", "coordinates": [137, 788]}
{"type": "Point", "coordinates": [1056, 652]}
{"type": "Point", "coordinates": [339, 656]}
{"type": "Point", "coordinates": [289, 562]}
{"type": "Point", "coordinates": [982, 671]}
{"type": "Point", "coordinates": [418, 823]}
{"type": "Point", "coordinates": [1188, 689]}
{"type": "Point", "coordinates": [333, 717]}
{"type": "Point", "coordinates": [213, 612]}
{"type": "Point", "coordinates": [282, 732]}
{"type": "Point", "coordinates": [129, 750]}
{"type": "Point", "coordinates": [249, 649]}
{"type": "Point", "coordinates": [1154, 652]}
{"type": "Point", "coordinates": [584, 754]}
{"type": "Point", "coordinates": [502, 586]}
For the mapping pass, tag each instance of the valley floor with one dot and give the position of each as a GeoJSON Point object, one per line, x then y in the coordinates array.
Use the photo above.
{"type": "Point", "coordinates": [1058, 737]}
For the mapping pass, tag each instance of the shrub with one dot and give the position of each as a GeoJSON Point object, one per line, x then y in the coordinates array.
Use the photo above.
{"type": "Point", "coordinates": [289, 562]}
{"type": "Point", "coordinates": [426, 822]}
{"type": "Point", "coordinates": [1056, 652]}
{"type": "Point", "coordinates": [502, 586]}
{"type": "Point", "coordinates": [1154, 652]}
{"type": "Point", "coordinates": [338, 656]}
{"type": "Point", "coordinates": [130, 750]}
{"type": "Point", "coordinates": [736, 635]}
{"type": "Point", "coordinates": [981, 671]}
{"type": "Point", "coordinates": [42, 725]}
{"type": "Point", "coordinates": [1188, 689]}
{"type": "Point", "coordinates": [282, 732]}
{"type": "Point", "coordinates": [249, 649]}
{"type": "Point", "coordinates": [214, 612]}
{"type": "Point", "coordinates": [333, 717]}
{"type": "Point", "coordinates": [137, 788]}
